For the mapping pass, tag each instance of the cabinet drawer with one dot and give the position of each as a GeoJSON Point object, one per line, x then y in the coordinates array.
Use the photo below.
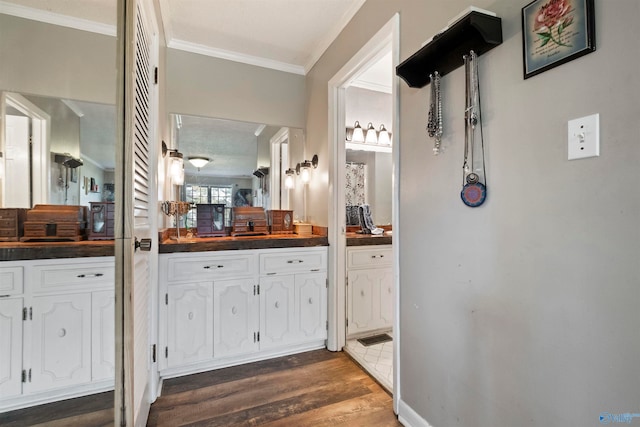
{"type": "Point", "coordinates": [8, 223]}
{"type": "Point", "coordinates": [10, 280]}
{"type": "Point", "coordinates": [293, 262]}
{"type": "Point", "coordinates": [73, 276]}
{"type": "Point", "coordinates": [370, 257]}
{"type": "Point", "coordinates": [211, 267]}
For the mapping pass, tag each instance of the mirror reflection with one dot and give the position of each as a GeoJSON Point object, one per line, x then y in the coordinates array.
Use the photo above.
{"type": "Point", "coordinates": [230, 162]}
{"type": "Point", "coordinates": [56, 151]}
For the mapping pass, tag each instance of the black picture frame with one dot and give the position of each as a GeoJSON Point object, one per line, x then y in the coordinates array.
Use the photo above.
{"type": "Point", "coordinates": [555, 32]}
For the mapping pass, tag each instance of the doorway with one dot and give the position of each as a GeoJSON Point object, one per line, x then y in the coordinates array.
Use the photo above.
{"type": "Point", "coordinates": [383, 42]}
{"type": "Point", "coordinates": [24, 150]}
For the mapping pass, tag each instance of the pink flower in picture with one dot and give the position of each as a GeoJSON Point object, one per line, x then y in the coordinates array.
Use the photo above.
{"type": "Point", "coordinates": [551, 21]}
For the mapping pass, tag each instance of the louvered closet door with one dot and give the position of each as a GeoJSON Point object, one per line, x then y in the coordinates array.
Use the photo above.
{"type": "Point", "coordinates": [139, 196]}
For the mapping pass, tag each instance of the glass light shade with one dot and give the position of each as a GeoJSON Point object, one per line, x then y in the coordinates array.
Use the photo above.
{"type": "Point", "coordinates": [358, 134]}
{"type": "Point", "coordinates": [305, 171]}
{"type": "Point", "coordinates": [383, 136]}
{"type": "Point", "coordinates": [177, 168]}
{"type": "Point", "coordinates": [371, 138]}
{"type": "Point", "coordinates": [289, 183]}
{"type": "Point", "coordinates": [198, 162]}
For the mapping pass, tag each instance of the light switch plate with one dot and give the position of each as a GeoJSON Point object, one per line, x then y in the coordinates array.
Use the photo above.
{"type": "Point", "coordinates": [584, 137]}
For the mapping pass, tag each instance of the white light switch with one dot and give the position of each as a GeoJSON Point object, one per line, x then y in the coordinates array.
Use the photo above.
{"type": "Point", "coordinates": [584, 137]}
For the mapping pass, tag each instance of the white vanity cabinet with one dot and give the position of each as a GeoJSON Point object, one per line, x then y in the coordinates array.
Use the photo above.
{"type": "Point", "coordinates": [236, 317]}
{"type": "Point", "coordinates": [11, 347]}
{"type": "Point", "coordinates": [224, 308]}
{"type": "Point", "coordinates": [369, 289]}
{"type": "Point", "coordinates": [57, 324]}
{"type": "Point", "coordinates": [293, 287]}
{"type": "Point", "coordinates": [189, 322]}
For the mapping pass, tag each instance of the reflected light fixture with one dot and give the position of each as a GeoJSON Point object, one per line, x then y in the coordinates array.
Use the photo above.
{"type": "Point", "coordinates": [371, 136]}
{"type": "Point", "coordinates": [358, 134]}
{"type": "Point", "coordinates": [198, 161]}
{"type": "Point", "coordinates": [289, 182]}
{"type": "Point", "coordinates": [383, 136]}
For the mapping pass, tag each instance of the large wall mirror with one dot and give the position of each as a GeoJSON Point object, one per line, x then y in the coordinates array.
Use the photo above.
{"type": "Point", "coordinates": [234, 163]}
{"type": "Point", "coordinates": [58, 147]}
{"type": "Point", "coordinates": [56, 151]}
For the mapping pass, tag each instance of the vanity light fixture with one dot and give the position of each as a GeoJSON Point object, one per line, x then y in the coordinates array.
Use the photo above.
{"type": "Point", "coordinates": [289, 182]}
{"type": "Point", "coordinates": [176, 168]}
{"type": "Point", "coordinates": [198, 161]}
{"type": "Point", "coordinates": [383, 136]}
{"type": "Point", "coordinates": [304, 169]}
{"type": "Point", "coordinates": [358, 134]}
{"type": "Point", "coordinates": [371, 136]}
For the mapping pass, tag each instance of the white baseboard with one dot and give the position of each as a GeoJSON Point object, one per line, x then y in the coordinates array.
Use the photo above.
{"type": "Point", "coordinates": [410, 418]}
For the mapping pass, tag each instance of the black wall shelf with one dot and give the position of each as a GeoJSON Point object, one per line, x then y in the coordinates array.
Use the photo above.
{"type": "Point", "coordinates": [476, 31]}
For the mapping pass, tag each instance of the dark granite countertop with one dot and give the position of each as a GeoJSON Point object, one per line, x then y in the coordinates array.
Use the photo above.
{"type": "Point", "coordinates": [355, 239]}
{"type": "Point", "coordinates": [204, 244]}
{"type": "Point", "coordinates": [19, 251]}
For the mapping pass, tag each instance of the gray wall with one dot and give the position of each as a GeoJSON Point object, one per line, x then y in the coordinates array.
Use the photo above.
{"type": "Point", "coordinates": [212, 87]}
{"type": "Point", "coordinates": [523, 311]}
{"type": "Point", "coordinates": [44, 59]}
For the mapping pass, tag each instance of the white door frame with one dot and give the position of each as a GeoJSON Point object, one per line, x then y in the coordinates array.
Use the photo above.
{"type": "Point", "coordinates": [388, 35]}
{"type": "Point", "coordinates": [40, 134]}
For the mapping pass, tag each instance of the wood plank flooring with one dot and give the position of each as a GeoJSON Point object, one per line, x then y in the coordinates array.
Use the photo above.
{"type": "Point", "coordinates": [95, 410]}
{"type": "Point", "coordinates": [318, 388]}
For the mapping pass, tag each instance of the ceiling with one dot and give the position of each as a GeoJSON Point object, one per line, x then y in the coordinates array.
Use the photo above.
{"type": "Point", "coordinates": [289, 35]}
{"type": "Point", "coordinates": [286, 35]}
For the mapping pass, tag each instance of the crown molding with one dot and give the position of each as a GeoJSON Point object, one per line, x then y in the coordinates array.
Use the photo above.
{"type": "Point", "coordinates": [57, 19]}
{"type": "Point", "coordinates": [376, 87]}
{"type": "Point", "coordinates": [332, 35]}
{"type": "Point", "coordinates": [235, 56]}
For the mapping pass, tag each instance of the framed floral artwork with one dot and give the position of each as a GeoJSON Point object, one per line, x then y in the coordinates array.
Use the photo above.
{"type": "Point", "coordinates": [555, 32]}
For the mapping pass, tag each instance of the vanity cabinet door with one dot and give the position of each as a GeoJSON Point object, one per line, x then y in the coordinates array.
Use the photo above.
{"type": "Point", "coordinates": [190, 323]}
{"type": "Point", "coordinates": [277, 311]}
{"type": "Point", "coordinates": [61, 341]}
{"type": "Point", "coordinates": [10, 347]}
{"type": "Point", "coordinates": [311, 306]}
{"type": "Point", "coordinates": [236, 309]}
{"type": "Point", "coordinates": [369, 300]}
{"type": "Point", "coordinates": [103, 353]}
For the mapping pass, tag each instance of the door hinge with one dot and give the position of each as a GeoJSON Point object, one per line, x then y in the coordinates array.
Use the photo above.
{"type": "Point", "coordinates": [254, 337]}
{"type": "Point", "coordinates": [258, 336]}
{"type": "Point", "coordinates": [29, 376]}
{"type": "Point", "coordinates": [24, 375]}
{"type": "Point", "coordinates": [258, 289]}
{"type": "Point", "coordinates": [347, 322]}
{"type": "Point", "coordinates": [166, 352]}
{"type": "Point", "coordinates": [326, 281]}
{"type": "Point", "coordinates": [155, 75]}
{"type": "Point", "coordinates": [326, 325]}
{"type": "Point", "coordinates": [24, 313]}
{"type": "Point", "coordinates": [153, 353]}
{"type": "Point", "coordinates": [166, 299]}
{"type": "Point", "coordinates": [30, 313]}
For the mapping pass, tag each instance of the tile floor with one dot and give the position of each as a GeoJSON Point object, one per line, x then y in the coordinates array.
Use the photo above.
{"type": "Point", "coordinates": [377, 359]}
